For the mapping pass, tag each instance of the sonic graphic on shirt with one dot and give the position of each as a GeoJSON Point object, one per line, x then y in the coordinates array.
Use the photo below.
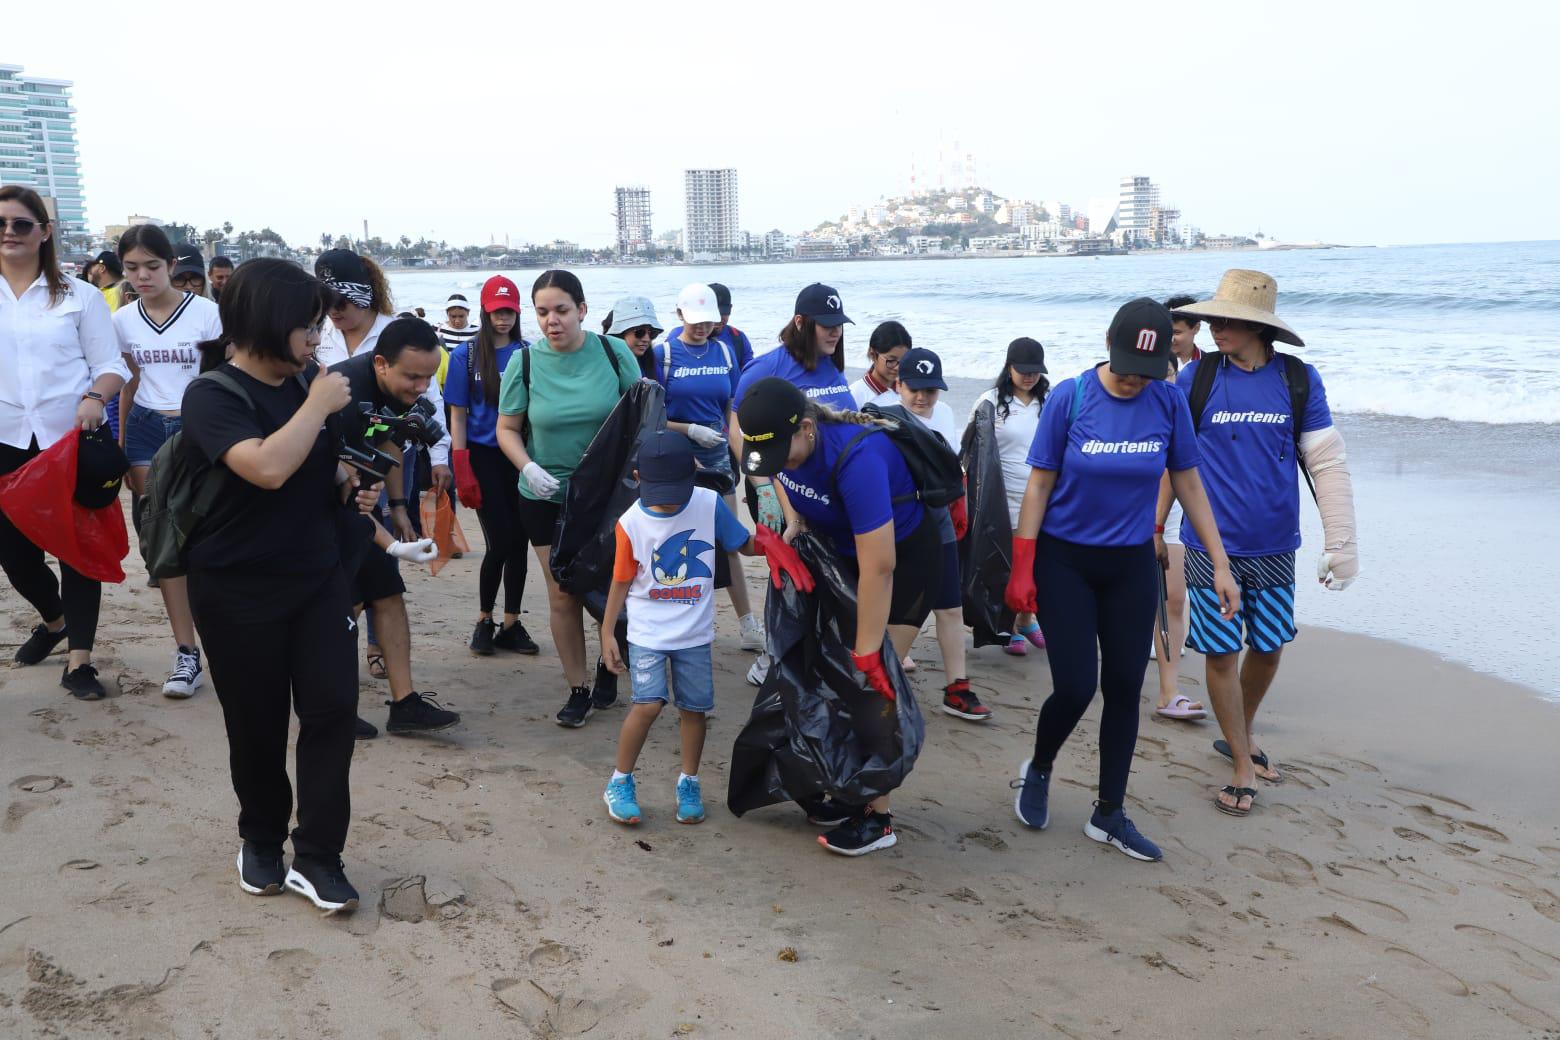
{"type": "Point", "coordinates": [675, 563]}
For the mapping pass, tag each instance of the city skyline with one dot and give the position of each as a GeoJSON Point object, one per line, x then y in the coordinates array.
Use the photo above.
{"type": "Point", "coordinates": [1234, 115]}
{"type": "Point", "coordinates": [38, 146]}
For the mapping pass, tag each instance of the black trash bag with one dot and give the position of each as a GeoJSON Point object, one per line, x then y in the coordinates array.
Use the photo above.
{"type": "Point", "coordinates": [815, 728]}
{"type": "Point", "coordinates": [602, 487]}
{"type": "Point", "coordinates": [986, 553]}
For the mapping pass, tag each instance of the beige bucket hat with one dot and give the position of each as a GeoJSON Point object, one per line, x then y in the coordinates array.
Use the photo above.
{"type": "Point", "coordinates": [1245, 296]}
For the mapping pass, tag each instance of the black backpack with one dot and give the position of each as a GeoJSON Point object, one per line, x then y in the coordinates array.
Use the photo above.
{"type": "Point", "coordinates": [933, 465]}
{"type": "Point", "coordinates": [1296, 380]}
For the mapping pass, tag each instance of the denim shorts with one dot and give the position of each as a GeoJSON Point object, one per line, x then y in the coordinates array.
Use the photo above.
{"type": "Point", "coordinates": [145, 432]}
{"type": "Point", "coordinates": [693, 676]}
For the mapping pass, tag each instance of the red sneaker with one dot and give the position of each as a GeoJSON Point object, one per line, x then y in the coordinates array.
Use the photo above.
{"type": "Point", "coordinates": [960, 702]}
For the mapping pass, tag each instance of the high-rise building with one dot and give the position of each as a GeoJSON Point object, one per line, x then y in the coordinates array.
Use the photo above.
{"type": "Point", "coordinates": [633, 221]}
{"type": "Point", "coordinates": [1135, 212]}
{"type": "Point", "coordinates": [712, 211]}
{"type": "Point", "coordinates": [38, 144]}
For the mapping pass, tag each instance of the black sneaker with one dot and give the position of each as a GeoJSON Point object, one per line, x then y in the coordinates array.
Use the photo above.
{"type": "Point", "coordinates": [39, 645]}
{"type": "Point", "coordinates": [417, 713]}
{"type": "Point", "coordinates": [516, 639]}
{"type": "Point", "coordinates": [604, 692]}
{"type": "Point", "coordinates": [482, 638]}
{"type": "Point", "coordinates": [83, 683]}
{"type": "Point", "coordinates": [858, 837]}
{"type": "Point", "coordinates": [260, 869]}
{"type": "Point", "coordinates": [826, 812]}
{"type": "Point", "coordinates": [365, 730]}
{"type": "Point", "coordinates": [323, 882]}
{"type": "Point", "coordinates": [573, 713]}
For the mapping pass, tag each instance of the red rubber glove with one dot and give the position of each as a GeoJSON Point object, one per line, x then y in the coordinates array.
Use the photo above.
{"type": "Point", "coordinates": [871, 666]}
{"type": "Point", "coordinates": [959, 514]}
{"type": "Point", "coordinates": [1020, 594]}
{"type": "Point", "coordinates": [783, 560]}
{"type": "Point", "coordinates": [466, 486]}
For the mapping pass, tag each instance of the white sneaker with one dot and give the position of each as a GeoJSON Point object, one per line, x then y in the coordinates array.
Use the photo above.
{"type": "Point", "coordinates": [752, 633]}
{"type": "Point", "coordinates": [187, 674]}
{"type": "Point", "coordinates": [760, 670]}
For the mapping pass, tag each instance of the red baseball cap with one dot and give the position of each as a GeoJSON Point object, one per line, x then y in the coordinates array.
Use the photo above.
{"type": "Point", "coordinates": [500, 294]}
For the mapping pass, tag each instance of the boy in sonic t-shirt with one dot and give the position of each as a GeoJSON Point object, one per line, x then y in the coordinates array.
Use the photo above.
{"type": "Point", "coordinates": [664, 571]}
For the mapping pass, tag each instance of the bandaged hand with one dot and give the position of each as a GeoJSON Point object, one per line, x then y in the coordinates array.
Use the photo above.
{"type": "Point", "coordinates": [1338, 568]}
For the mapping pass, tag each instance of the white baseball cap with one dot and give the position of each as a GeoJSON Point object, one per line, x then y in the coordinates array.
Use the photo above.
{"type": "Point", "coordinates": [698, 304]}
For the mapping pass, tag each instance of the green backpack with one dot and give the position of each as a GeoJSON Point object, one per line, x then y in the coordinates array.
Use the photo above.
{"type": "Point", "coordinates": [180, 493]}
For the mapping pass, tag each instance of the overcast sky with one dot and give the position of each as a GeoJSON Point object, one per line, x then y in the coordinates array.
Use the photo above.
{"type": "Point", "coordinates": [1357, 122]}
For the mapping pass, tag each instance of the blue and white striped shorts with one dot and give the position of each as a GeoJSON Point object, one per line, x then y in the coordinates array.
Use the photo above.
{"type": "Point", "coordinates": [1267, 603]}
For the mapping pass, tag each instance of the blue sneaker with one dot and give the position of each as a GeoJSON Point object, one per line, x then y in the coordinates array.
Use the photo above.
{"type": "Point", "coordinates": [690, 801]}
{"type": "Point", "coordinates": [622, 800]}
{"type": "Point", "coordinates": [1117, 830]}
{"type": "Point", "coordinates": [1032, 804]}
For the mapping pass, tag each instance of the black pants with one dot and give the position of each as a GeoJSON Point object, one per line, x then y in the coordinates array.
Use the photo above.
{"type": "Point", "coordinates": [508, 551]}
{"type": "Point", "coordinates": [32, 579]}
{"type": "Point", "coordinates": [299, 654]}
{"type": "Point", "coordinates": [1092, 598]}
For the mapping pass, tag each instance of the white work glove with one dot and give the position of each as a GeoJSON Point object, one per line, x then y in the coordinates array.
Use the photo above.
{"type": "Point", "coordinates": [1338, 569]}
{"type": "Point", "coordinates": [542, 482]}
{"type": "Point", "coordinates": [420, 551]}
{"type": "Point", "coordinates": [703, 436]}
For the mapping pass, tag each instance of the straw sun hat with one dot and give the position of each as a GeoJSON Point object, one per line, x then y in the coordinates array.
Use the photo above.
{"type": "Point", "coordinates": [1245, 296]}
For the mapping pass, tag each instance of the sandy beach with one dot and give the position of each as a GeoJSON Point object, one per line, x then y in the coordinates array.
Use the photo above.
{"type": "Point", "coordinates": [1404, 881]}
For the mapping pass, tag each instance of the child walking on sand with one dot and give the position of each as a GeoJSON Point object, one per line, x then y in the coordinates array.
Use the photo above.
{"type": "Point", "coordinates": [666, 546]}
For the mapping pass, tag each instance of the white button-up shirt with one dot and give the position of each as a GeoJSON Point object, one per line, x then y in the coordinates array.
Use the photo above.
{"type": "Point", "coordinates": [333, 350]}
{"type": "Point", "coordinates": [51, 354]}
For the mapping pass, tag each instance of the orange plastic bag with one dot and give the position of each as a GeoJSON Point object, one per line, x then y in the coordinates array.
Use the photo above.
{"type": "Point", "coordinates": [39, 500]}
{"type": "Point", "coordinates": [438, 522]}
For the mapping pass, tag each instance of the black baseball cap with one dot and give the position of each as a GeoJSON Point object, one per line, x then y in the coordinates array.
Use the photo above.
{"type": "Point", "coordinates": [1026, 355]}
{"type": "Point", "coordinates": [770, 413]}
{"type": "Point", "coordinates": [722, 299]}
{"type": "Point", "coordinates": [100, 469]}
{"type": "Point", "coordinates": [822, 304]}
{"type": "Point", "coordinates": [920, 369]}
{"type": "Point", "coordinates": [665, 469]}
{"type": "Point", "coordinates": [187, 260]}
{"type": "Point", "coordinates": [1140, 339]}
{"type": "Point", "coordinates": [340, 265]}
{"type": "Point", "coordinates": [109, 259]}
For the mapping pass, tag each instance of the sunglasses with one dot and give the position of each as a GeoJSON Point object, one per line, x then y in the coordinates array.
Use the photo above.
{"type": "Point", "coordinates": [1219, 324]}
{"type": "Point", "coordinates": [19, 225]}
{"type": "Point", "coordinates": [642, 331]}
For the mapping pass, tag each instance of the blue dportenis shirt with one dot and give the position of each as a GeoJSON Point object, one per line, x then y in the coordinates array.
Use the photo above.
{"type": "Point", "coordinates": [873, 475]}
{"type": "Point", "coordinates": [1110, 459]}
{"type": "Point", "coordinates": [463, 388]}
{"type": "Point", "coordinates": [1247, 443]}
{"type": "Point", "coordinates": [701, 382]}
{"type": "Point", "coordinates": [735, 339]}
{"type": "Point", "coordinates": [825, 384]}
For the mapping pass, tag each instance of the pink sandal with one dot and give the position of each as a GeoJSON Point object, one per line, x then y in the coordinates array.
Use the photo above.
{"type": "Point", "coordinates": [1182, 708]}
{"type": "Point", "coordinates": [1017, 646]}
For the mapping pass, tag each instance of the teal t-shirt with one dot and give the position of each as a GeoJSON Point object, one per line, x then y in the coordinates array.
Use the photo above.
{"type": "Point", "coordinates": [571, 395]}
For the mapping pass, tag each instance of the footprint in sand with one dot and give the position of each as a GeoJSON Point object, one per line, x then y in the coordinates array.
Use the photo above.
{"type": "Point", "coordinates": [1399, 958]}
{"type": "Point", "coordinates": [38, 784]}
{"type": "Point", "coordinates": [1525, 1014]}
{"type": "Point", "coordinates": [1437, 976]}
{"type": "Point", "coordinates": [1311, 819]}
{"type": "Point", "coordinates": [1525, 960]}
{"type": "Point", "coordinates": [447, 783]}
{"type": "Point", "coordinates": [547, 1014]}
{"type": "Point", "coordinates": [1425, 816]}
{"type": "Point", "coordinates": [293, 965]}
{"type": "Point", "coordinates": [549, 955]}
{"type": "Point", "coordinates": [1454, 803]}
{"type": "Point", "coordinates": [1277, 865]}
{"type": "Point", "coordinates": [1375, 907]}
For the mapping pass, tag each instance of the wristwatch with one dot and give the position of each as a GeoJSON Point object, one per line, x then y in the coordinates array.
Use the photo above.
{"type": "Point", "coordinates": [94, 395]}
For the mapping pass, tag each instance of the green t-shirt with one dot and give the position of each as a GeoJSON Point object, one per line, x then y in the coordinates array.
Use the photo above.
{"type": "Point", "coordinates": [571, 396]}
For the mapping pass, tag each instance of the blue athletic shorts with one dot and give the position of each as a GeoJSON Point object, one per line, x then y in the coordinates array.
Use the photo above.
{"type": "Point", "coordinates": [1267, 603]}
{"type": "Point", "coordinates": [693, 676]}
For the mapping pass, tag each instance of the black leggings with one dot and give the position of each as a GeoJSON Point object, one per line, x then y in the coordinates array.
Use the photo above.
{"type": "Point", "coordinates": [1095, 598]}
{"type": "Point", "coordinates": [298, 655]}
{"type": "Point", "coordinates": [507, 549]}
{"type": "Point", "coordinates": [32, 579]}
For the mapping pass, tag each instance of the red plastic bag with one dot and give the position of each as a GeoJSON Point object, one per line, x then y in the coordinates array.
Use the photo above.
{"type": "Point", "coordinates": [439, 523]}
{"type": "Point", "coordinates": [39, 499]}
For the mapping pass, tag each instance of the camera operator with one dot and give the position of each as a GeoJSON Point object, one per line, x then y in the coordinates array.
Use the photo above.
{"type": "Point", "coordinates": [391, 383]}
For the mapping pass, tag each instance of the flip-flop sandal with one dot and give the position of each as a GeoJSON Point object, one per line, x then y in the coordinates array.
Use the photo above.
{"type": "Point", "coordinates": [1260, 760]}
{"type": "Point", "coordinates": [908, 664]}
{"type": "Point", "coordinates": [1181, 708]}
{"type": "Point", "coordinates": [376, 665]}
{"type": "Point", "coordinates": [1237, 793]}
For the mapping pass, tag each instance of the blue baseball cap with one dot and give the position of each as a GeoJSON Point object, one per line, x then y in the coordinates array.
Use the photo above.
{"type": "Point", "coordinates": [920, 369]}
{"type": "Point", "coordinates": [822, 304]}
{"type": "Point", "coordinates": [665, 470]}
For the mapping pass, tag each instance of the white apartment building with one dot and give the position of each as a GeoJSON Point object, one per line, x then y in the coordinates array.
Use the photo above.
{"type": "Point", "coordinates": [633, 220]}
{"type": "Point", "coordinates": [1135, 210]}
{"type": "Point", "coordinates": [38, 144]}
{"type": "Point", "coordinates": [711, 197]}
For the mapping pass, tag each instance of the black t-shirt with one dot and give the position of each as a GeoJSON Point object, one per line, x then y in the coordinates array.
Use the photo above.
{"type": "Point", "coordinates": [291, 530]}
{"type": "Point", "coordinates": [359, 370]}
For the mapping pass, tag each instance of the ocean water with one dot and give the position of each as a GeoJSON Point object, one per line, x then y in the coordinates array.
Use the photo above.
{"type": "Point", "coordinates": [1438, 361]}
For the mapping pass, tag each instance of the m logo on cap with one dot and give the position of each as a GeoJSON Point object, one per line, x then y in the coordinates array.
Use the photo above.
{"type": "Point", "coordinates": [833, 302]}
{"type": "Point", "coordinates": [924, 367]}
{"type": "Point", "coordinates": [1146, 340]}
